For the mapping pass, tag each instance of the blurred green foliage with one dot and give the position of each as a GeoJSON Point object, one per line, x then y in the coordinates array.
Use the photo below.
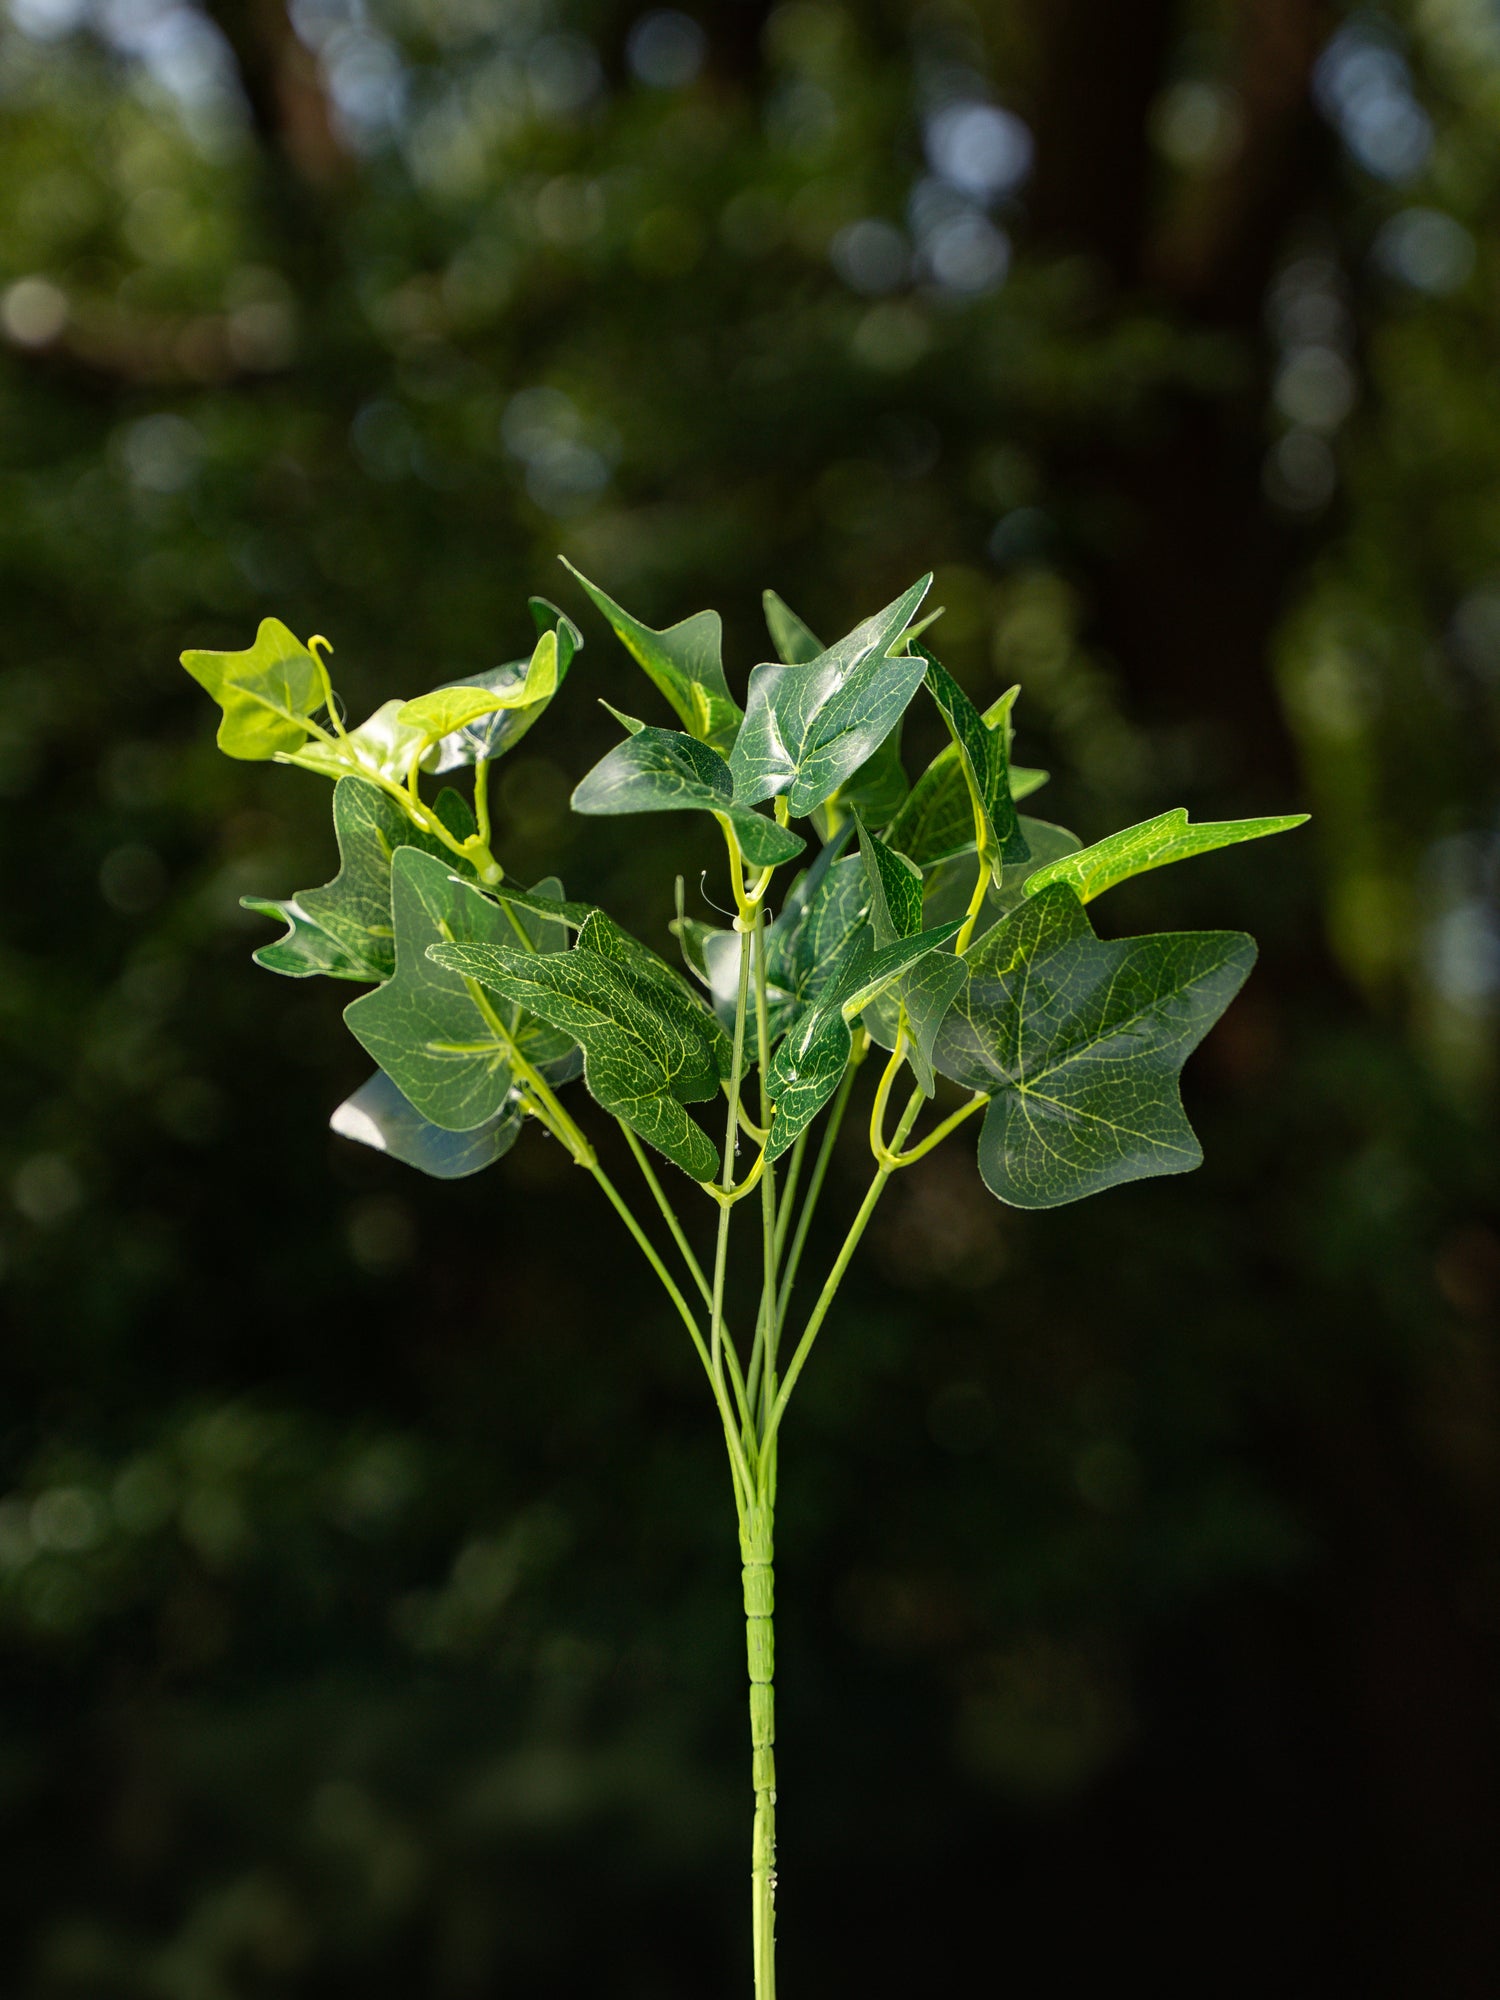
{"type": "Point", "coordinates": [348, 1633]}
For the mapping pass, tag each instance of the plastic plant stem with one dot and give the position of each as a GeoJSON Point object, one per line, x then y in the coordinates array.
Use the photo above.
{"type": "Point", "coordinates": [940, 1132]}
{"type": "Point", "coordinates": [760, 1375]}
{"type": "Point", "coordinates": [830, 1289]}
{"type": "Point", "coordinates": [758, 1580]}
{"type": "Point", "coordinates": [721, 1245]}
{"type": "Point", "coordinates": [814, 1190]}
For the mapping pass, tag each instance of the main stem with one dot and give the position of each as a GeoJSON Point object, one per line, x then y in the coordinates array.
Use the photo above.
{"type": "Point", "coordinates": [758, 1576]}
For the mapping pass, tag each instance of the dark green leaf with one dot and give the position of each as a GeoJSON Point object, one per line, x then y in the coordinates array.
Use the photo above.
{"type": "Point", "coordinates": [937, 818]}
{"type": "Point", "coordinates": [949, 884]}
{"type": "Point", "coordinates": [823, 910]}
{"type": "Point", "coordinates": [924, 994]}
{"type": "Point", "coordinates": [269, 693]}
{"type": "Point", "coordinates": [810, 727]}
{"type": "Point", "coordinates": [352, 913]}
{"type": "Point", "coordinates": [442, 1043]}
{"type": "Point", "coordinates": [377, 1115]}
{"type": "Point", "coordinates": [895, 889]}
{"type": "Point", "coordinates": [1079, 1043]}
{"type": "Point", "coordinates": [661, 770]}
{"type": "Point", "coordinates": [685, 662]}
{"type": "Point", "coordinates": [1153, 844]}
{"type": "Point", "coordinates": [646, 1054]}
{"type": "Point", "coordinates": [984, 754]}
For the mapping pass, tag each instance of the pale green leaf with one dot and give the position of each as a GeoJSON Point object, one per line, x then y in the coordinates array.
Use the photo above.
{"type": "Point", "coordinates": [269, 693]}
{"type": "Point", "coordinates": [378, 1116]}
{"type": "Point", "coordinates": [1079, 1043]}
{"type": "Point", "coordinates": [1153, 844]}
{"type": "Point", "coordinates": [685, 662]}
{"type": "Point", "coordinates": [382, 746]}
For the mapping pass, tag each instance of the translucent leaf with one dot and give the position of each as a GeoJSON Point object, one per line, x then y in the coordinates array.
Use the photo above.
{"type": "Point", "coordinates": [269, 693]}
{"type": "Point", "coordinates": [383, 745]}
{"type": "Point", "coordinates": [685, 662]}
{"type": "Point", "coordinates": [1079, 1043]}
{"type": "Point", "coordinates": [809, 727]}
{"type": "Point", "coordinates": [521, 691]}
{"type": "Point", "coordinates": [1153, 844]}
{"type": "Point", "coordinates": [377, 1115]}
{"type": "Point", "coordinates": [662, 770]}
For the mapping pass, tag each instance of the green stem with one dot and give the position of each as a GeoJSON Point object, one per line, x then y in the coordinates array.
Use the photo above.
{"type": "Point", "coordinates": [758, 1581]}
{"type": "Point", "coordinates": [814, 1190]}
{"type": "Point", "coordinates": [830, 1289]}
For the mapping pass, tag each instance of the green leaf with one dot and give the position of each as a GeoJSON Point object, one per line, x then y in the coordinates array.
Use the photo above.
{"type": "Point", "coordinates": [344, 929]}
{"type": "Point", "coordinates": [441, 1042]}
{"type": "Point", "coordinates": [519, 691]}
{"type": "Point", "coordinates": [895, 888]}
{"type": "Point", "coordinates": [571, 915]}
{"type": "Point", "coordinates": [269, 693]}
{"type": "Point", "coordinates": [937, 818]}
{"type": "Point", "coordinates": [984, 754]}
{"type": "Point", "coordinates": [949, 885]}
{"type": "Point", "coordinates": [1079, 1043]}
{"type": "Point", "coordinates": [925, 994]}
{"type": "Point", "coordinates": [685, 662]}
{"type": "Point", "coordinates": [1152, 844]}
{"type": "Point", "coordinates": [661, 770]}
{"type": "Point", "coordinates": [383, 745]}
{"type": "Point", "coordinates": [795, 643]}
{"type": "Point", "coordinates": [377, 1115]}
{"type": "Point", "coordinates": [823, 910]}
{"type": "Point", "coordinates": [307, 949]}
{"type": "Point", "coordinates": [813, 1054]}
{"type": "Point", "coordinates": [649, 1047]}
{"type": "Point", "coordinates": [809, 727]}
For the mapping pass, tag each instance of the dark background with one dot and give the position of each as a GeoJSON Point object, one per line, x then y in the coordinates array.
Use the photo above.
{"type": "Point", "coordinates": [368, 1600]}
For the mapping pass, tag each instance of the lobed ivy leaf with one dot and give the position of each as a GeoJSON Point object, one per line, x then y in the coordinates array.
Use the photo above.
{"type": "Point", "coordinates": [878, 787]}
{"type": "Point", "coordinates": [437, 1037]}
{"type": "Point", "coordinates": [269, 693]}
{"type": "Point", "coordinates": [649, 1047]}
{"type": "Point", "coordinates": [661, 770]}
{"type": "Point", "coordinates": [923, 993]}
{"type": "Point", "coordinates": [1153, 844]}
{"type": "Point", "coordinates": [1079, 1043]}
{"type": "Point", "coordinates": [344, 929]}
{"type": "Point", "coordinates": [377, 1115]}
{"type": "Point", "coordinates": [895, 886]}
{"type": "Point", "coordinates": [520, 691]}
{"type": "Point", "coordinates": [823, 910]}
{"type": "Point", "coordinates": [685, 662]}
{"type": "Point", "coordinates": [795, 642]}
{"type": "Point", "coordinates": [983, 748]}
{"type": "Point", "coordinates": [813, 1054]}
{"type": "Point", "coordinates": [810, 726]}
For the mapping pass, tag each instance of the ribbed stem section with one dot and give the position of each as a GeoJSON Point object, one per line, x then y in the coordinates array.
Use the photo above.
{"type": "Point", "coordinates": [759, 1579]}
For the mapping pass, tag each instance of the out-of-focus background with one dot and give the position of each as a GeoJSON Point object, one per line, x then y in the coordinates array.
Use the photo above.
{"type": "Point", "coordinates": [368, 1600]}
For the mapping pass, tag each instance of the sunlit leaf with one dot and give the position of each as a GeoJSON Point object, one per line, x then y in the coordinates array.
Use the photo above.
{"type": "Point", "coordinates": [809, 727]}
{"type": "Point", "coordinates": [269, 693]}
{"type": "Point", "coordinates": [876, 789]}
{"type": "Point", "coordinates": [1079, 1042]}
{"type": "Point", "coordinates": [443, 1043]}
{"type": "Point", "coordinates": [662, 770]}
{"type": "Point", "coordinates": [378, 1116]}
{"type": "Point", "coordinates": [383, 745]}
{"type": "Point", "coordinates": [522, 690]}
{"type": "Point", "coordinates": [685, 662]}
{"type": "Point", "coordinates": [1153, 844]}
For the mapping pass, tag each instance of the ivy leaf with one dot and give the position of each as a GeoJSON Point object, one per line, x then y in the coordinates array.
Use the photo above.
{"type": "Point", "coordinates": [646, 1052]}
{"type": "Point", "coordinates": [344, 929]}
{"type": "Point", "coordinates": [823, 910]}
{"type": "Point", "coordinates": [809, 727]}
{"type": "Point", "coordinates": [518, 694]}
{"type": "Point", "coordinates": [306, 949]}
{"type": "Point", "coordinates": [949, 885]}
{"type": "Point", "coordinates": [440, 1041]}
{"type": "Point", "coordinates": [382, 745]}
{"type": "Point", "coordinates": [269, 693]}
{"type": "Point", "coordinates": [1079, 1043]}
{"type": "Point", "coordinates": [895, 888]}
{"type": "Point", "coordinates": [571, 915]}
{"type": "Point", "coordinates": [937, 818]}
{"type": "Point", "coordinates": [796, 644]}
{"type": "Point", "coordinates": [661, 770]}
{"type": "Point", "coordinates": [1153, 844]}
{"type": "Point", "coordinates": [812, 1056]}
{"type": "Point", "coordinates": [377, 1115]}
{"type": "Point", "coordinates": [984, 755]}
{"type": "Point", "coordinates": [685, 662]}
